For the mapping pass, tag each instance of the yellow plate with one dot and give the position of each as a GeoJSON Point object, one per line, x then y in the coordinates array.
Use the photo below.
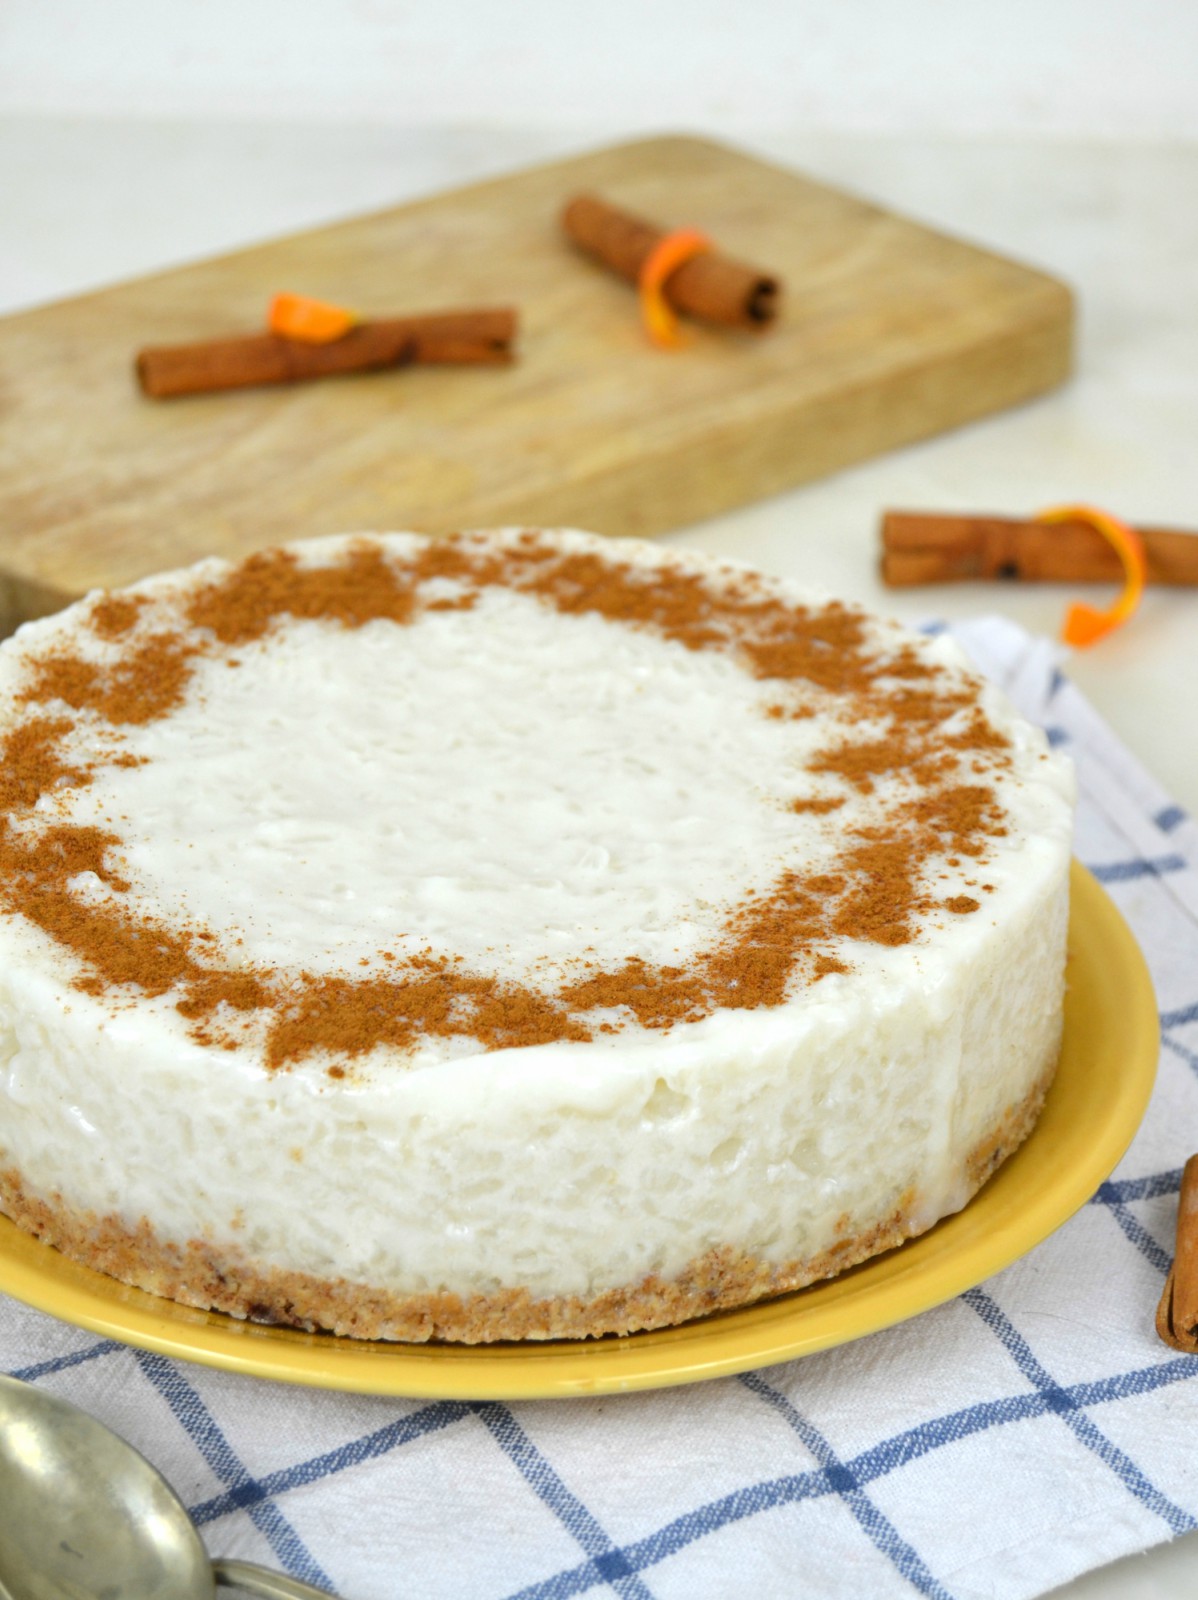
{"type": "Point", "coordinates": [1101, 1089]}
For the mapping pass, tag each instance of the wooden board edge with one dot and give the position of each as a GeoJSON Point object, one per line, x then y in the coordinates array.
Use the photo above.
{"type": "Point", "coordinates": [23, 599]}
{"type": "Point", "coordinates": [678, 140]}
{"type": "Point", "coordinates": [812, 438]}
{"type": "Point", "coordinates": [457, 192]}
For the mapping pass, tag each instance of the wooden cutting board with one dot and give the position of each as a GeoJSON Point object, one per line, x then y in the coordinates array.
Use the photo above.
{"type": "Point", "coordinates": [889, 332]}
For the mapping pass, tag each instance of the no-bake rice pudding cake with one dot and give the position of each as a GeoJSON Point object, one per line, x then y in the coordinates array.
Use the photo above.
{"type": "Point", "coordinates": [509, 936]}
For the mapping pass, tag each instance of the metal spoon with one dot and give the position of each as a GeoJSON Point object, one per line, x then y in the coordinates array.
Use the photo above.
{"type": "Point", "coordinates": [84, 1516]}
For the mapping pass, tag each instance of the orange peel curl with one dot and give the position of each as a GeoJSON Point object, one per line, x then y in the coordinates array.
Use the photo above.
{"type": "Point", "coordinates": [671, 251]}
{"type": "Point", "coordinates": [1085, 624]}
{"type": "Point", "coordinates": [298, 316]}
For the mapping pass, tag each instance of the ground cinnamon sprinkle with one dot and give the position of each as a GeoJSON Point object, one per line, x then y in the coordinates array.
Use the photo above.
{"type": "Point", "coordinates": [883, 896]}
{"type": "Point", "coordinates": [114, 614]}
{"type": "Point", "coordinates": [147, 684]}
{"type": "Point", "coordinates": [31, 764]}
{"type": "Point", "coordinates": [73, 849]}
{"type": "Point", "coordinates": [960, 816]}
{"type": "Point", "coordinates": [242, 606]}
{"type": "Point", "coordinates": [860, 764]}
{"type": "Point", "coordinates": [977, 735]}
{"type": "Point", "coordinates": [345, 1016]}
{"type": "Point", "coordinates": [919, 735]}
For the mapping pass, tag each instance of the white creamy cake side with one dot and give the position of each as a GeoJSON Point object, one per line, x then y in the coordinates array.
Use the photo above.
{"type": "Point", "coordinates": [510, 936]}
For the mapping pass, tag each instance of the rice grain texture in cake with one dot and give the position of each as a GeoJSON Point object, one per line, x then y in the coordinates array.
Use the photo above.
{"type": "Point", "coordinates": [509, 936]}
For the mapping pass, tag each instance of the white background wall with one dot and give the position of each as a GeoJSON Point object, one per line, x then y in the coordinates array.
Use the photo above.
{"type": "Point", "coordinates": [1117, 68]}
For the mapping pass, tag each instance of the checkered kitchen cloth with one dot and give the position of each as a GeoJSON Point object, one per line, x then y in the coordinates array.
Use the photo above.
{"type": "Point", "coordinates": [994, 1447]}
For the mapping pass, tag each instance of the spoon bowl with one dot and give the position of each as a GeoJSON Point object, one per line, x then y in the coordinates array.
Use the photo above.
{"type": "Point", "coordinates": [84, 1516]}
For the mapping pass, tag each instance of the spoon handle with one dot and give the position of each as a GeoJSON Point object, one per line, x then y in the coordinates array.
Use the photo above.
{"type": "Point", "coordinates": [261, 1581]}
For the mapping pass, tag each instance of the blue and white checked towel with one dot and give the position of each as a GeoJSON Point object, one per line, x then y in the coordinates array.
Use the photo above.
{"type": "Point", "coordinates": [994, 1447]}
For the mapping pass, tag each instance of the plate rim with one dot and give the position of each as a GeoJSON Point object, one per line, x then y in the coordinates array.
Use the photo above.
{"type": "Point", "coordinates": [879, 1293]}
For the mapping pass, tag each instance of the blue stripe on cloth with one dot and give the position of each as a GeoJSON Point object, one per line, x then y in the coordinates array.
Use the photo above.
{"type": "Point", "coordinates": [1168, 819]}
{"type": "Point", "coordinates": [609, 1564]}
{"type": "Point", "coordinates": [1056, 683]}
{"type": "Point", "coordinates": [881, 1530]}
{"type": "Point", "coordinates": [417, 1425]}
{"type": "Point", "coordinates": [42, 1369]}
{"type": "Point", "coordinates": [1056, 737]}
{"type": "Point", "coordinates": [1143, 1380]}
{"type": "Point", "coordinates": [685, 1530]}
{"type": "Point", "coordinates": [891, 1454]}
{"type": "Point", "coordinates": [872, 1464]}
{"type": "Point", "coordinates": [1118, 1195]}
{"type": "Point", "coordinates": [877, 1462]}
{"type": "Point", "coordinates": [1069, 1410]}
{"type": "Point", "coordinates": [193, 1415]}
{"type": "Point", "coordinates": [1188, 1056]}
{"type": "Point", "coordinates": [1179, 1018]}
{"type": "Point", "coordinates": [1120, 1191]}
{"type": "Point", "coordinates": [928, 1436]}
{"type": "Point", "coordinates": [1124, 871]}
{"type": "Point", "coordinates": [1135, 1231]}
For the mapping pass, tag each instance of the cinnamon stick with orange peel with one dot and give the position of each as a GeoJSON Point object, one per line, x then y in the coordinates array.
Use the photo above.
{"type": "Point", "coordinates": [928, 547]}
{"type": "Point", "coordinates": [709, 286]}
{"type": "Point", "coordinates": [471, 337]}
{"type": "Point", "coordinates": [1177, 1314]}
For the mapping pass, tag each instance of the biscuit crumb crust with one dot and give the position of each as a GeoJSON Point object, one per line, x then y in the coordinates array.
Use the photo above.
{"type": "Point", "coordinates": [216, 1275]}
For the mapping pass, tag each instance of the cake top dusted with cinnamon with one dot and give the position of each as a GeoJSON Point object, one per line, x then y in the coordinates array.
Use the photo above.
{"type": "Point", "coordinates": [487, 792]}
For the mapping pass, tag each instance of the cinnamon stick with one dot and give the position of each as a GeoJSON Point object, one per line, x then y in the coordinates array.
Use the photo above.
{"type": "Point", "coordinates": [711, 287]}
{"type": "Point", "coordinates": [470, 337]}
{"type": "Point", "coordinates": [1177, 1314]}
{"type": "Point", "coordinates": [926, 547]}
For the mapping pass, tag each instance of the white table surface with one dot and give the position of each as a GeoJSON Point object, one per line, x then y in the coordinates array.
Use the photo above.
{"type": "Point", "coordinates": [90, 201]}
